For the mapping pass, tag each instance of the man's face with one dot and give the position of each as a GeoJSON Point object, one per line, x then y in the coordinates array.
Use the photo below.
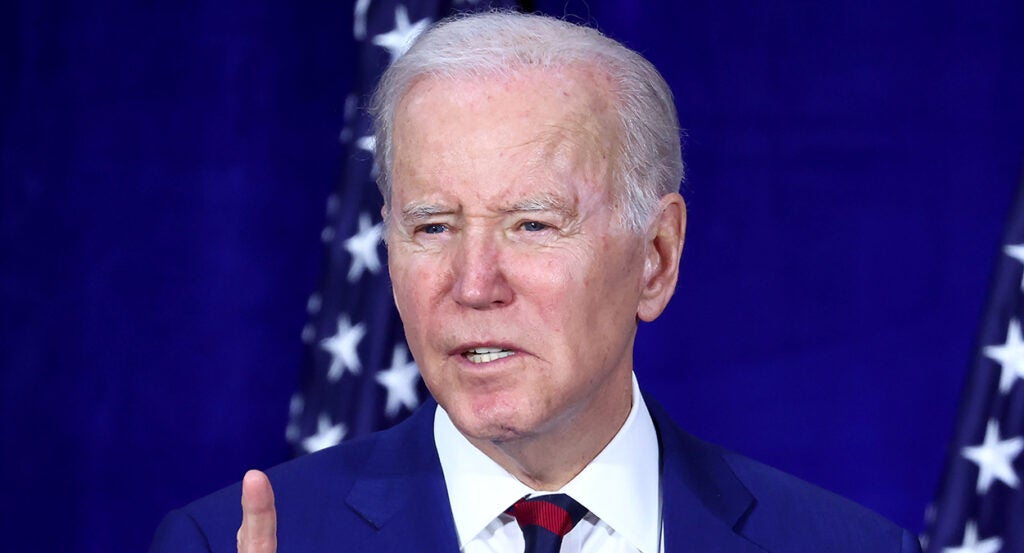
{"type": "Point", "coordinates": [516, 281]}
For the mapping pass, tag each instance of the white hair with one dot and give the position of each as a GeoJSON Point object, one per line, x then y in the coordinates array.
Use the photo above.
{"type": "Point", "coordinates": [498, 43]}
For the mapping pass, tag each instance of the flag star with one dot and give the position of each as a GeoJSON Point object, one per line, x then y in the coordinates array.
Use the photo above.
{"type": "Point", "coordinates": [342, 347]}
{"type": "Point", "coordinates": [296, 404]}
{"type": "Point", "coordinates": [350, 111]}
{"type": "Point", "coordinates": [351, 102]}
{"type": "Point", "coordinates": [929, 518]}
{"type": "Point", "coordinates": [308, 333]}
{"type": "Point", "coordinates": [363, 248]}
{"type": "Point", "coordinates": [1016, 251]}
{"type": "Point", "coordinates": [327, 235]}
{"type": "Point", "coordinates": [333, 203]}
{"type": "Point", "coordinates": [971, 543]}
{"type": "Point", "coordinates": [1010, 356]}
{"type": "Point", "coordinates": [327, 434]}
{"type": "Point", "coordinates": [367, 143]}
{"type": "Point", "coordinates": [400, 380]}
{"type": "Point", "coordinates": [400, 38]}
{"type": "Point", "coordinates": [314, 303]}
{"type": "Point", "coordinates": [994, 457]}
{"type": "Point", "coordinates": [359, 26]}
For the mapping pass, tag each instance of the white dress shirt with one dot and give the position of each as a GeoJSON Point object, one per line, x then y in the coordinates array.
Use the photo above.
{"type": "Point", "coordinates": [620, 487]}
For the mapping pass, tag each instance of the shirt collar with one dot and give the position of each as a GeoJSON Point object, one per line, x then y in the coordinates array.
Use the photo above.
{"type": "Point", "coordinates": [620, 486]}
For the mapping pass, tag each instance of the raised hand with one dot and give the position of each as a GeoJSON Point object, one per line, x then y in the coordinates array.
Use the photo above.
{"type": "Point", "coordinates": [258, 532]}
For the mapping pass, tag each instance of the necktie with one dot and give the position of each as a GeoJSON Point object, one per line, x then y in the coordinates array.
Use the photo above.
{"type": "Point", "coordinates": [546, 519]}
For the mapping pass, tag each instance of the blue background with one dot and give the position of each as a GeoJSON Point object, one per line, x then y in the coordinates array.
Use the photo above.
{"type": "Point", "coordinates": [165, 166]}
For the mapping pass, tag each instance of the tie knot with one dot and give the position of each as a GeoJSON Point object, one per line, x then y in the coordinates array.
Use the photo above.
{"type": "Point", "coordinates": [556, 513]}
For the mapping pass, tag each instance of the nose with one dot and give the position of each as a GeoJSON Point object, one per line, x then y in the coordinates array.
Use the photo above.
{"type": "Point", "coordinates": [480, 280]}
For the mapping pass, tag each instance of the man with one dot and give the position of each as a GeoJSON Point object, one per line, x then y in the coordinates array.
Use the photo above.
{"type": "Point", "coordinates": [530, 170]}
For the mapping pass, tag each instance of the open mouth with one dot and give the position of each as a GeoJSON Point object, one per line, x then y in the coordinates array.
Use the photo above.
{"type": "Point", "coordinates": [486, 355]}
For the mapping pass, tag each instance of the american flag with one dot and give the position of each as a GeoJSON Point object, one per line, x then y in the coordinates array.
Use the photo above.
{"type": "Point", "coordinates": [980, 506]}
{"type": "Point", "coordinates": [358, 376]}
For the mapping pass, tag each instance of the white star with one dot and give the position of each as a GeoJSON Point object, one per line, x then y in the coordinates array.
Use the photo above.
{"type": "Point", "coordinates": [994, 457]}
{"type": "Point", "coordinates": [291, 432]}
{"type": "Point", "coordinates": [350, 111]}
{"type": "Point", "coordinates": [1010, 356]}
{"type": "Point", "coordinates": [326, 235]}
{"type": "Point", "coordinates": [314, 303]}
{"type": "Point", "coordinates": [367, 143]}
{"type": "Point", "coordinates": [400, 38]}
{"type": "Point", "coordinates": [971, 543]}
{"type": "Point", "coordinates": [327, 434]}
{"type": "Point", "coordinates": [363, 248]}
{"type": "Point", "coordinates": [342, 347]}
{"type": "Point", "coordinates": [333, 203]}
{"type": "Point", "coordinates": [359, 28]}
{"type": "Point", "coordinates": [1016, 251]}
{"type": "Point", "coordinates": [929, 517]}
{"type": "Point", "coordinates": [295, 404]}
{"type": "Point", "coordinates": [400, 380]}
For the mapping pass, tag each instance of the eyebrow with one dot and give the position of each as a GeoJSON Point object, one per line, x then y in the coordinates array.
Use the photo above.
{"type": "Point", "coordinates": [545, 202]}
{"type": "Point", "coordinates": [415, 212]}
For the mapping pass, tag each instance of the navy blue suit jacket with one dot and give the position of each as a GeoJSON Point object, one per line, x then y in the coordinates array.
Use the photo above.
{"type": "Point", "coordinates": [386, 493]}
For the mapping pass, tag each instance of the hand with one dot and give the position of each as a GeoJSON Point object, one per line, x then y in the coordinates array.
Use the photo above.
{"type": "Point", "coordinates": [258, 532]}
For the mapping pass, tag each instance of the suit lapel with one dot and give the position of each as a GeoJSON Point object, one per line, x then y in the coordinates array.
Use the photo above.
{"type": "Point", "coordinates": [703, 501]}
{"type": "Point", "coordinates": [402, 493]}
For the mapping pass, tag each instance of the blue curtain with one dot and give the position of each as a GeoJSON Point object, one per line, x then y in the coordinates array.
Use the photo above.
{"type": "Point", "coordinates": [164, 171]}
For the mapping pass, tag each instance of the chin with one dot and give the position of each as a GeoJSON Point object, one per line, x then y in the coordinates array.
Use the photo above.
{"type": "Point", "coordinates": [489, 422]}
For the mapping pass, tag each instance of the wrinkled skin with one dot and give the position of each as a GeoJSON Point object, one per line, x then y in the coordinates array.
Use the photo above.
{"type": "Point", "coordinates": [506, 233]}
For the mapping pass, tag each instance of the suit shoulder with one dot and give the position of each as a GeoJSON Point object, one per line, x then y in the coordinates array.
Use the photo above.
{"type": "Point", "coordinates": [304, 475]}
{"type": "Point", "coordinates": [304, 488]}
{"type": "Point", "coordinates": [791, 514]}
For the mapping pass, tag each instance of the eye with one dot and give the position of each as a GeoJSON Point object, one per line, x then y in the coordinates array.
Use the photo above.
{"type": "Point", "coordinates": [433, 228]}
{"type": "Point", "coordinates": [533, 226]}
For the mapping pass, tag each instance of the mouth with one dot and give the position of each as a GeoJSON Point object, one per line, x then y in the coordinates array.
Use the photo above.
{"type": "Point", "coordinates": [479, 355]}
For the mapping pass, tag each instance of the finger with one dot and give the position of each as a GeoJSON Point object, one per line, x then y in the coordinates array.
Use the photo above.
{"type": "Point", "coordinates": [258, 533]}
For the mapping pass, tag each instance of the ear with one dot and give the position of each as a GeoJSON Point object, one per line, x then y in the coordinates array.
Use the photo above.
{"type": "Point", "coordinates": [385, 217]}
{"type": "Point", "coordinates": [663, 248]}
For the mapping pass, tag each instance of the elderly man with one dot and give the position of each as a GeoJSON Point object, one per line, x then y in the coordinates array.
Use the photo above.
{"type": "Point", "coordinates": [530, 174]}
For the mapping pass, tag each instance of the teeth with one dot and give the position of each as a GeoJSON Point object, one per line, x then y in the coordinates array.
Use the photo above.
{"type": "Point", "coordinates": [486, 350]}
{"type": "Point", "coordinates": [486, 355]}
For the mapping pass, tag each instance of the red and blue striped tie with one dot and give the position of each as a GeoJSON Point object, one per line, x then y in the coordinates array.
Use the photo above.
{"type": "Point", "coordinates": [546, 519]}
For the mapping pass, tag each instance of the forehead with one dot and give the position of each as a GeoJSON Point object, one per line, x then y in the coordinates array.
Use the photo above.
{"type": "Point", "coordinates": [526, 127]}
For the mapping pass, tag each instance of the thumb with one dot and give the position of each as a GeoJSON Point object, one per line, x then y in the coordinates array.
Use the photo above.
{"type": "Point", "coordinates": [258, 533]}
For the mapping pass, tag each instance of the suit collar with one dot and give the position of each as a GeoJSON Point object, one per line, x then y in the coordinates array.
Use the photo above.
{"type": "Point", "coordinates": [401, 492]}
{"type": "Point", "coordinates": [704, 502]}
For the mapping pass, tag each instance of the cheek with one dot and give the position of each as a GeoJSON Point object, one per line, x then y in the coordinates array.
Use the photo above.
{"type": "Point", "coordinates": [550, 275]}
{"type": "Point", "coordinates": [557, 286]}
{"type": "Point", "coordinates": [414, 280]}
